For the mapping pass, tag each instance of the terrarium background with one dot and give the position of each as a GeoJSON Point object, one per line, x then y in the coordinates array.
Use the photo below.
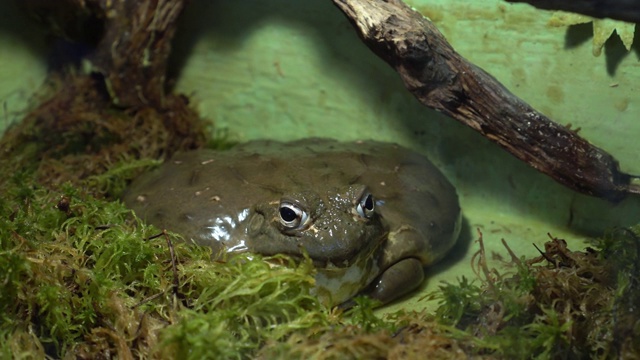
{"type": "Point", "coordinates": [288, 69]}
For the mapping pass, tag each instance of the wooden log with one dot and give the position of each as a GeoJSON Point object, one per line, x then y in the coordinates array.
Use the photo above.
{"type": "Point", "coordinates": [443, 80]}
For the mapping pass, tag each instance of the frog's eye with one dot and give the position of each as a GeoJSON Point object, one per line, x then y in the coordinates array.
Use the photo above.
{"type": "Point", "coordinates": [366, 206]}
{"type": "Point", "coordinates": [292, 216]}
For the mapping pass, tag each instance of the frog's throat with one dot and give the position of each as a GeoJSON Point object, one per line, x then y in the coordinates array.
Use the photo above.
{"type": "Point", "coordinates": [335, 285]}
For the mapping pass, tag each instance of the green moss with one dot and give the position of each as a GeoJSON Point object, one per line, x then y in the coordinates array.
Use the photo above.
{"type": "Point", "coordinates": [83, 275]}
{"type": "Point", "coordinates": [115, 180]}
{"type": "Point", "coordinates": [458, 301]}
{"type": "Point", "coordinates": [241, 305]}
{"type": "Point", "coordinates": [221, 139]}
{"type": "Point", "coordinates": [562, 304]}
{"type": "Point", "coordinates": [362, 316]}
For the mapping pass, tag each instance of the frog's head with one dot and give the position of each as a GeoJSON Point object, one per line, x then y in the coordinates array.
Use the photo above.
{"type": "Point", "coordinates": [338, 229]}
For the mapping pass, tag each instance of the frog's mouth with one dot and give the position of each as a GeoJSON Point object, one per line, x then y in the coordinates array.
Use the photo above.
{"type": "Point", "coordinates": [336, 284]}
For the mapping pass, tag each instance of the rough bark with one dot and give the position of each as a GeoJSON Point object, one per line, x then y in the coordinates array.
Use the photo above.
{"type": "Point", "coordinates": [443, 80]}
{"type": "Point", "coordinates": [134, 52]}
{"type": "Point", "coordinates": [131, 39]}
{"type": "Point", "coordinates": [625, 10]}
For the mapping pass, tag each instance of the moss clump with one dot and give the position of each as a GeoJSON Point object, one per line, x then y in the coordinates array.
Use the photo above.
{"type": "Point", "coordinates": [562, 304]}
{"type": "Point", "coordinates": [242, 305]}
{"type": "Point", "coordinates": [76, 132]}
{"type": "Point", "coordinates": [84, 277]}
{"type": "Point", "coordinates": [361, 335]}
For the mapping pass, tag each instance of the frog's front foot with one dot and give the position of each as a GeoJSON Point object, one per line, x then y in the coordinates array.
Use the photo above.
{"type": "Point", "coordinates": [399, 279]}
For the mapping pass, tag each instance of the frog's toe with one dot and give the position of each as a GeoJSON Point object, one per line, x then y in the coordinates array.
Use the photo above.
{"type": "Point", "coordinates": [399, 279]}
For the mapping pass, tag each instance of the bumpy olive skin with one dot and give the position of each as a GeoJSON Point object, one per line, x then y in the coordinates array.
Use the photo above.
{"type": "Point", "coordinates": [231, 201]}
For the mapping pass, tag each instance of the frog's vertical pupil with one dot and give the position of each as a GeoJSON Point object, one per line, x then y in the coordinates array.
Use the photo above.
{"type": "Point", "coordinates": [287, 214]}
{"type": "Point", "coordinates": [368, 203]}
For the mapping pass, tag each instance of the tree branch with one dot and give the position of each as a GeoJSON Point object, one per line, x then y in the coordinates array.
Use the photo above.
{"type": "Point", "coordinates": [443, 80]}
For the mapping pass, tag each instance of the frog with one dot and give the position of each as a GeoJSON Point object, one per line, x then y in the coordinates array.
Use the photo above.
{"type": "Point", "coordinates": [370, 215]}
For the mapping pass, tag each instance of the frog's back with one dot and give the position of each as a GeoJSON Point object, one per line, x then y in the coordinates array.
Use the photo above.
{"type": "Point", "coordinates": [200, 192]}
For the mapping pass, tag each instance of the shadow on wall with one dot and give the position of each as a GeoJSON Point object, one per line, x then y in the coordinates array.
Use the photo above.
{"type": "Point", "coordinates": [229, 24]}
{"type": "Point", "coordinates": [614, 49]}
{"type": "Point", "coordinates": [30, 34]}
{"type": "Point", "coordinates": [17, 25]}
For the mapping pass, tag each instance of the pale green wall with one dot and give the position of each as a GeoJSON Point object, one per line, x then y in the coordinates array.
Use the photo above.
{"type": "Point", "coordinates": [289, 68]}
{"type": "Point", "coordinates": [22, 62]}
